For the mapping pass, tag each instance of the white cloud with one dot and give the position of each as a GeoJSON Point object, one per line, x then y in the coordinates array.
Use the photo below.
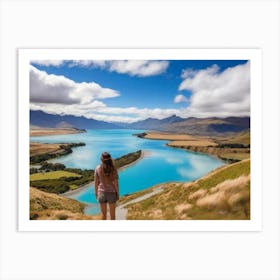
{"type": "Point", "coordinates": [68, 109]}
{"type": "Point", "coordinates": [59, 95]}
{"type": "Point", "coordinates": [139, 113]}
{"type": "Point", "coordinates": [141, 68]}
{"type": "Point", "coordinates": [47, 63]}
{"type": "Point", "coordinates": [49, 88]}
{"type": "Point", "coordinates": [99, 111]}
{"type": "Point", "coordinates": [217, 93]}
{"type": "Point", "coordinates": [188, 73]}
{"type": "Point", "coordinates": [88, 63]}
{"type": "Point", "coordinates": [180, 98]}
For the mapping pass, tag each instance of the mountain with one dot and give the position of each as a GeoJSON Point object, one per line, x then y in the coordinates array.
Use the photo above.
{"type": "Point", "coordinates": [196, 126]}
{"type": "Point", "coordinates": [210, 126]}
{"type": "Point", "coordinates": [64, 125]}
{"type": "Point", "coordinates": [42, 119]}
{"type": "Point", "coordinates": [152, 123]}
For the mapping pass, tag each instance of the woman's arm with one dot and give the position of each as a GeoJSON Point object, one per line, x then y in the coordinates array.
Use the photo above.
{"type": "Point", "coordinates": [116, 185]}
{"type": "Point", "coordinates": [96, 183]}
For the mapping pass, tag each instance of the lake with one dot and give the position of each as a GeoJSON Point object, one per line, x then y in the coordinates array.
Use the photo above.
{"type": "Point", "coordinates": [160, 164]}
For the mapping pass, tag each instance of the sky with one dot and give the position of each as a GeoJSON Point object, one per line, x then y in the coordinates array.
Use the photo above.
{"type": "Point", "coordinates": [134, 90]}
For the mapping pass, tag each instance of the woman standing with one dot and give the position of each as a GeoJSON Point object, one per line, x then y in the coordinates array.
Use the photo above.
{"type": "Point", "coordinates": [106, 185]}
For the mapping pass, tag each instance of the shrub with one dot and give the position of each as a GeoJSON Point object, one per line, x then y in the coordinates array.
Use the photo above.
{"type": "Point", "coordinates": [33, 170]}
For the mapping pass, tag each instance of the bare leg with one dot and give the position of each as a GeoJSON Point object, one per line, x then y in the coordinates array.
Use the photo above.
{"type": "Point", "coordinates": [112, 207]}
{"type": "Point", "coordinates": [103, 207]}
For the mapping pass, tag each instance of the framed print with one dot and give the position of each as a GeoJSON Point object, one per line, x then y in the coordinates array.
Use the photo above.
{"type": "Point", "coordinates": [154, 139]}
{"type": "Point", "coordinates": [183, 96]}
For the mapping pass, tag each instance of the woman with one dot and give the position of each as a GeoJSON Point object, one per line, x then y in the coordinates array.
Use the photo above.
{"type": "Point", "coordinates": [106, 185]}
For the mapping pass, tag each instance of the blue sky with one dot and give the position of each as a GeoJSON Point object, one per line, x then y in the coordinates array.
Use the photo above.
{"type": "Point", "coordinates": [129, 91]}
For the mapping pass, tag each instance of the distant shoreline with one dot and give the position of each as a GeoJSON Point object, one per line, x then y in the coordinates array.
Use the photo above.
{"type": "Point", "coordinates": [200, 144]}
{"type": "Point", "coordinates": [54, 131]}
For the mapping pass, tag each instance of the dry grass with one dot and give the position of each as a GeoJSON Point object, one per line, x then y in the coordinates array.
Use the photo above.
{"type": "Point", "coordinates": [235, 154]}
{"type": "Point", "coordinates": [48, 206]}
{"type": "Point", "coordinates": [41, 148]}
{"type": "Point", "coordinates": [182, 208]}
{"type": "Point", "coordinates": [179, 140]}
{"type": "Point", "coordinates": [197, 143]}
{"type": "Point", "coordinates": [52, 131]}
{"type": "Point", "coordinates": [169, 136]}
{"type": "Point", "coordinates": [61, 215]}
{"type": "Point", "coordinates": [241, 138]}
{"type": "Point", "coordinates": [222, 194]}
{"type": "Point", "coordinates": [40, 200]}
{"type": "Point", "coordinates": [227, 194]}
{"type": "Point", "coordinates": [230, 154]}
{"type": "Point", "coordinates": [230, 186]}
{"type": "Point", "coordinates": [207, 145]}
{"type": "Point", "coordinates": [197, 194]}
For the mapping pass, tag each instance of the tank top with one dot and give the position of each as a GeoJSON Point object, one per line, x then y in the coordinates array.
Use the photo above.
{"type": "Point", "coordinates": [105, 183]}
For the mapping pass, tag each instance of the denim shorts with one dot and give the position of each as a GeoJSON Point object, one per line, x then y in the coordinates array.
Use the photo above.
{"type": "Point", "coordinates": [104, 197]}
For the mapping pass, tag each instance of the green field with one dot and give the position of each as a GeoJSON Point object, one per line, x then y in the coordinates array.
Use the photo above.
{"type": "Point", "coordinates": [52, 175]}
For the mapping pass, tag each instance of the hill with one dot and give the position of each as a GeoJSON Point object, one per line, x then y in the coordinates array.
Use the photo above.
{"type": "Point", "coordinates": [241, 138]}
{"type": "Point", "coordinates": [210, 126]}
{"type": "Point", "coordinates": [152, 123]}
{"type": "Point", "coordinates": [223, 194]}
{"type": "Point", "coordinates": [49, 206]}
{"type": "Point", "coordinates": [195, 126]}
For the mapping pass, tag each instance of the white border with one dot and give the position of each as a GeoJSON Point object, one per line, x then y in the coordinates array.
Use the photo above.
{"type": "Point", "coordinates": [254, 55]}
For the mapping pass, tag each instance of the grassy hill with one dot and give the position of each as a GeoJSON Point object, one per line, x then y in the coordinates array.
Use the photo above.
{"type": "Point", "coordinates": [223, 194]}
{"type": "Point", "coordinates": [48, 206]}
{"type": "Point", "coordinates": [241, 138]}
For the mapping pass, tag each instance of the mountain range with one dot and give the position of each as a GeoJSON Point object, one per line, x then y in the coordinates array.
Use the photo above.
{"type": "Point", "coordinates": [196, 126]}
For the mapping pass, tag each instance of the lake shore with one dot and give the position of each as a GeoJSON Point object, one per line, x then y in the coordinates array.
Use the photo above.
{"type": "Point", "coordinates": [180, 139]}
{"type": "Point", "coordinates": [200, 144]}
{"type": "Point", "coordinates": [54, 131]}
{"type": "Point", "coordinates": [86, 186]}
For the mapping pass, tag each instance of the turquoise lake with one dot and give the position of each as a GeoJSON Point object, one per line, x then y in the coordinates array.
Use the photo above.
{"type": "Point", "coordinates": [160, 164]}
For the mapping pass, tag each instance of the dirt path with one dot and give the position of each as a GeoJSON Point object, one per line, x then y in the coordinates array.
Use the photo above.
{"type": "Point", "coordinates": [121, 211]}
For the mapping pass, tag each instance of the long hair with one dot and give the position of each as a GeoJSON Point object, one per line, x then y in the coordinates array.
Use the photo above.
{"type": "Point", "coordinates": [107, 166]}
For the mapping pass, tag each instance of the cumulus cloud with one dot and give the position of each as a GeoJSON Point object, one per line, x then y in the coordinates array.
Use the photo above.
{"type": "Point", "coordinates": [88, 63]}
{"type": "Point", "coordinates": [55, 94]}
{"type": "Point", "coordinates": [49, 88]}
{"type": "Point", "coordinates": [47, 63]}
{"type": "Point", "coordinates": [217, 93]}
{"type": "Point", "coordinates": [188, 73]}
{"type": "Point", "coordinates": [180, 98]}
{"type": "Point", "coordinates": [140, 68]}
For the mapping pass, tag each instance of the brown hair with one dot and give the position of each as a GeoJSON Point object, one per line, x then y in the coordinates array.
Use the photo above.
{"type": "Point", "coordinates": [107, 166]}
